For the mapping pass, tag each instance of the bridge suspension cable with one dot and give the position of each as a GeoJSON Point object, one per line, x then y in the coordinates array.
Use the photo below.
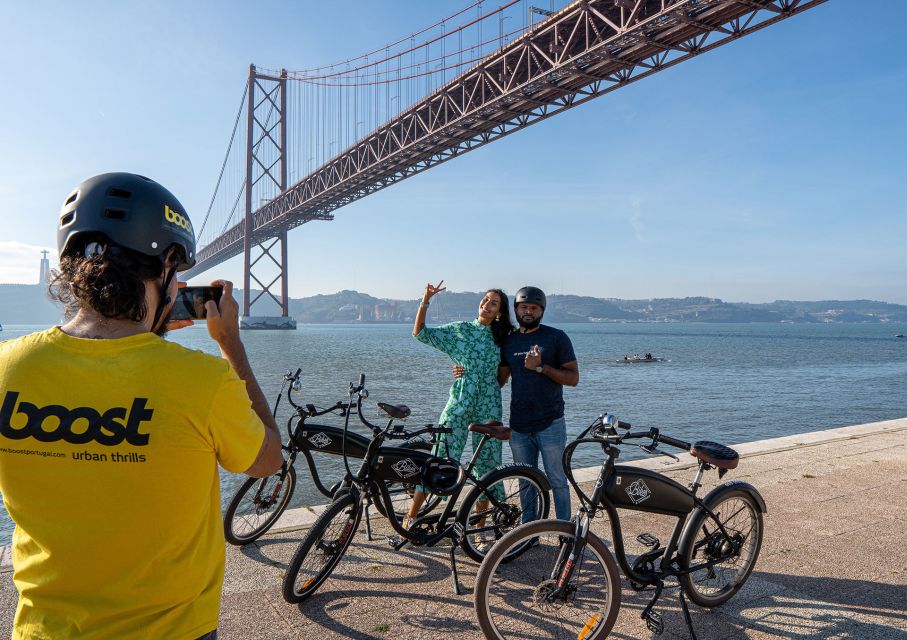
{"type": "Point", "coordinates": [322, 137]}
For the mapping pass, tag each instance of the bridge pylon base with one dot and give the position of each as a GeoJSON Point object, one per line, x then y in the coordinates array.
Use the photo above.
{"type": "Point", "coordinates": [270, 323]}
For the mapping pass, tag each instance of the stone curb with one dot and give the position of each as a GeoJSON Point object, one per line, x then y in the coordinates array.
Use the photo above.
{"type": "Point", "coordinates": [302, 517]}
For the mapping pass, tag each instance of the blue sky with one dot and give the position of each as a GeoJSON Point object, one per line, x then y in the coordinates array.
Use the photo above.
{"type": "Point", "coordinates": [770, 168]}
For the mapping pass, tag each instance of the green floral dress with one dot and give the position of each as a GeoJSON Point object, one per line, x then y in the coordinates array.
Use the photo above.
{"type": "Point", "coordinates": [475, 396]}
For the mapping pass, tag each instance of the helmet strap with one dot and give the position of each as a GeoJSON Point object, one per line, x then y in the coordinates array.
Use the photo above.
{"type": "Point", "coordinates": [165, 298]}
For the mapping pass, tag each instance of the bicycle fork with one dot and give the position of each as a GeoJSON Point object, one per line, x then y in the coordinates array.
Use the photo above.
{"type": "Point", "coordinates": [564, 567]}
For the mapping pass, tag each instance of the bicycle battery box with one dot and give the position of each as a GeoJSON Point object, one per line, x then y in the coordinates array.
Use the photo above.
{"type": "Point", "coordinates": [644, 490]}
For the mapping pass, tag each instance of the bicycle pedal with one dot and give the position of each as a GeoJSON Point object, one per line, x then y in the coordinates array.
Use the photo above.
{"type": "Point", "coordinates": [396, 542]}
{"type": "Point", "coordinates": [654, 622]}
{"type": "Point", "coordinates": [648, 540]}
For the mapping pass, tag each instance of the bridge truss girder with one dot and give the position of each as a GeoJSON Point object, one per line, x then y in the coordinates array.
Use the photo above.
{"type": "Point", "coordinates": [586, 50]}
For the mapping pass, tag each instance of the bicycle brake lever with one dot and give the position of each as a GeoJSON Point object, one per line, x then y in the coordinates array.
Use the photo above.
{"type": "Point", "coordinates": [653, 450]}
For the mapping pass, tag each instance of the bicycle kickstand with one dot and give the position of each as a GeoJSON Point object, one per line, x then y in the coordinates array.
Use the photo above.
{"type": "Point", "coordinates": [686, 614]}
{"type": "Point", "coordinates": [456, 537]}
{"type": "Point", "coordinates": [368, 520]}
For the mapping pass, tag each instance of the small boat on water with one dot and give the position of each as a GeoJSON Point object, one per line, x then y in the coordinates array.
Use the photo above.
{"type": "Point", "coordinates": [897, 335]}
{"type": "Point", "coordinates": [638, 359]}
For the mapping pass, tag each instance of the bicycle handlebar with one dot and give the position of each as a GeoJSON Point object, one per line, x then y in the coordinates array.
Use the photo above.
{"type": "Point", "coordinates": [674, 442]}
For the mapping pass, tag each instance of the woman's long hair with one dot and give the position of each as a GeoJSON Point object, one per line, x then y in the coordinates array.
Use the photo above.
{"type": "Point", "coordinates": [503, 325]}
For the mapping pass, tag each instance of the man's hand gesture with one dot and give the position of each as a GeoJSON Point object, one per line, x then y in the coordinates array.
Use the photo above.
{"type": "Point", "coordinates": [533, 359]}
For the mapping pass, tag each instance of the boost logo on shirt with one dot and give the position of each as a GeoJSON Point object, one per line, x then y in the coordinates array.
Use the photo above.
{"type": "Point", "coordinates": [105, 428]}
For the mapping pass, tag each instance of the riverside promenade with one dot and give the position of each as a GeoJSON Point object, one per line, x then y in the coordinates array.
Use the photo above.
{"type": "Point", "coordinates": [833, 562]}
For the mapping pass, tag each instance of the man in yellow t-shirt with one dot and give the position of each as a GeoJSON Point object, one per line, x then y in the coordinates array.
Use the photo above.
{"type": "Point", "coordinates": [110, 437]}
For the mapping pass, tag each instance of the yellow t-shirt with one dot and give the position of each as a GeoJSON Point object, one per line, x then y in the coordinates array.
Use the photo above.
{"type": "Point", "coordinates": [108, 467]}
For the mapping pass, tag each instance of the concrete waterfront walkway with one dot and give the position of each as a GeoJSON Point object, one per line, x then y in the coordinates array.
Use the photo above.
{"type": "Point", "coordinates": [833, 561]}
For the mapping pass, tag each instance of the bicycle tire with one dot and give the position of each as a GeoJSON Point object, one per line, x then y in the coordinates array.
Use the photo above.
{"type": "Point", "coordinates": [505, 520]}
{"type": "Point", "coordinates": [520, 611]}
{"type": "Point", "coordinates": [706, 587]}
{"type": "Point", "coordinates": [249, 515]}
{"type": "Point", "coordinates": [322, 547]}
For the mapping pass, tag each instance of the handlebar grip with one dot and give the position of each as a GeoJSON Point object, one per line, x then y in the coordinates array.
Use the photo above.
{"type": "Point", "coordinates": [674, 442]}
{"type": "Point", "coordinates": [623, 425]}
{"type": "Point", "coordinates": [298, 371]}
{"type": "Point", "coordinates": [361, 380]}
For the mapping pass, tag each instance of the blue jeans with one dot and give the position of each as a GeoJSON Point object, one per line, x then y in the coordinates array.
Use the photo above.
{"type": "Point", "coordinates": [550, 442]}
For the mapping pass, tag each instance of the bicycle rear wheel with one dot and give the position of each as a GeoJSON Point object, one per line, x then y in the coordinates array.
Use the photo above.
{"type": "Point", "coordinates": [742, 519]}
{"type": "Point", "coordinates": [514, 600]}
{"type": "Point", "coordinates": [257, 505]}
{"type": "Point", "coordinates": [322, 548]}
{"type": "Point", "coordinates": [518, 490]}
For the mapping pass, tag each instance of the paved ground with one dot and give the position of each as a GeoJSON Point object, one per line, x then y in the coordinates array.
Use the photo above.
{"type": "Point", "coordinates": [833, 562]}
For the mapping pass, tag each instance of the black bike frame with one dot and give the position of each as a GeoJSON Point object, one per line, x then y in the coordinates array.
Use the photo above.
{"type": "Point", "coordinates": [675, 500]}
{"type": "Point", "coordinates": [302, 438]}
{"type": "Point", "coordinates": [306, 438]}
{"type": "Point", "coordinates": [364, 486]}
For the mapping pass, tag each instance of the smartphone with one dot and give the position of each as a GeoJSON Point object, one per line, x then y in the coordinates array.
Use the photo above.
{"type": "Point", "coordinates": [190, 302]}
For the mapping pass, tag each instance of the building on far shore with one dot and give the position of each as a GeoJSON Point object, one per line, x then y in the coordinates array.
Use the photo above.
{"type": "Point", "coordinates": [44, 273]}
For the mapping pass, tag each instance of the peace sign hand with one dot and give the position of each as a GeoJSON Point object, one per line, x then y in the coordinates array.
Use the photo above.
{"type": "Point", "coordinates": [431, 290]}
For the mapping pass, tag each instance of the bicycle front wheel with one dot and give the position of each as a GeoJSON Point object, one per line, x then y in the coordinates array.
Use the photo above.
{"type": "Point", "coordinates": [257, 505]}
{"type": "Point", "coordinates": [322, 548]}
{"type": "Point", "coordinates": [733, 556]}
{"type": "Point", "coordinates": [520, 598]}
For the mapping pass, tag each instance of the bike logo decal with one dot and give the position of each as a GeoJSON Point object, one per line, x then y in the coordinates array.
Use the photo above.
{"type": "Point", "coordinates": [639, 492]}
{"type": "Point", "coordinates": [320, 440]}
{"type": "Point", "coordinates": [405, 468]}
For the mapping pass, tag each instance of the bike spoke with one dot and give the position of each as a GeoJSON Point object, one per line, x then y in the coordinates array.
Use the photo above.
{"type": "Point", "coordinates": [502, 511]}
{"type": "Point", "coordinates": [323, 552]}
{"type": "Point", "coordinates": [519, 596]}
{"type": "Point", "coordinates": [725, 572]}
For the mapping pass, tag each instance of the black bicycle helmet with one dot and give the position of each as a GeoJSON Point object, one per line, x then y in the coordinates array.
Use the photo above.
{"type": "Point", "coordinates": [132, 211]}
{"type": "Point", "coordinates": [442, 476]}
{"type": "Point", "coordinates": [530, 294]}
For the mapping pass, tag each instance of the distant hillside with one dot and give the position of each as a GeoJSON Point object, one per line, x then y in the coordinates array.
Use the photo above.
{"type": "Point", "coordinates": [28, 304]}
{"type": "Point", "coordinates": [353, 306]}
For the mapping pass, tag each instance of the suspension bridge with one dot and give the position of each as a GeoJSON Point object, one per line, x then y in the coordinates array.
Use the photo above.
{"type": "Point", "coordinates": [319, 138]}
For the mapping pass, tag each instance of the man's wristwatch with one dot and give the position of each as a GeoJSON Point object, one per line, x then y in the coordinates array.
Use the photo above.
{"type": "Point", "coordinates": [540, 368]}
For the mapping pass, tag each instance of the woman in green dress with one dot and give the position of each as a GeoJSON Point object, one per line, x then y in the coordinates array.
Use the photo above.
{"type": "Point", "coordinates": [476, 395]}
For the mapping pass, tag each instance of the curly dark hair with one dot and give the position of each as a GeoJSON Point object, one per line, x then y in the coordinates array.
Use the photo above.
{"type": "Point", "coordinates": [112, 282]}
{"type": "Point", "coordinates": [502, 326]}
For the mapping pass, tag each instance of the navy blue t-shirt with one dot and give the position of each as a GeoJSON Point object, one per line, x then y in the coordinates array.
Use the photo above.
{"type": "Point", "coordinates": [535, 399]}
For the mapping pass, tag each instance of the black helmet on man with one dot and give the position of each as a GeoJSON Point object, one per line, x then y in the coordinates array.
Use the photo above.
{"type": "Point", "coordinates": [530, 294]}
{"type": "Point", "coordinates": [132, 211]}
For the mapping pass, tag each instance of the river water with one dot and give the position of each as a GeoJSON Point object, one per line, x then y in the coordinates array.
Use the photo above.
{"type": "Point", "coordinates": [727, 382]}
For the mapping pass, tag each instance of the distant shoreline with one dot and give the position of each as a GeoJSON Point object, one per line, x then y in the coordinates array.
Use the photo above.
{"type": "Point", "coordinates": [22, 304]}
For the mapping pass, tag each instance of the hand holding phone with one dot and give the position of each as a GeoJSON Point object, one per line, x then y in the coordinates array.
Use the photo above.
{"type": "Point", "coordinates": [190, 302]}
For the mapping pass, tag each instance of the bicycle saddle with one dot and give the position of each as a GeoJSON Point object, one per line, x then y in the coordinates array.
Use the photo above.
{"type": "Point", "coordinates": [491, 428]}
{"type": "Point", "coordinates": [715, 454]}
{"type": "Point", "coordinates": [396, 411]}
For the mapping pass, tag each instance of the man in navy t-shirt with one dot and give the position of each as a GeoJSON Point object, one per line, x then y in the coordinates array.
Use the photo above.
{"type": "Point", "coordinates": [541, 361]}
